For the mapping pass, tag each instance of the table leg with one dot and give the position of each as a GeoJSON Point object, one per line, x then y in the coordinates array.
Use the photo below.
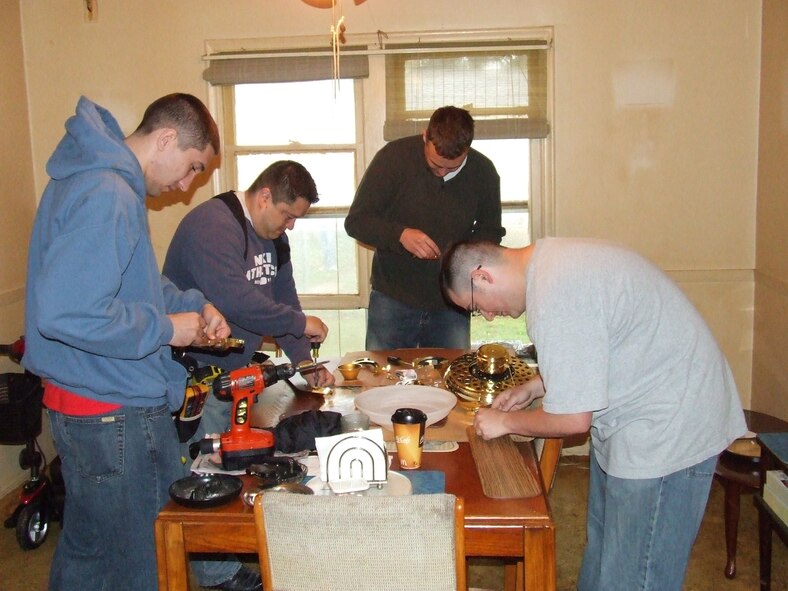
{"type": "Point", "coordinates": [765, 549]}
{"type": "Point", "coordinates": [732, 511]}
{"type": "Point", "coordinates": [540, 570]}
{"type": "Point", "coordinates": [513, 576]}
{"type": "Point", "coordinates": [171, 556]}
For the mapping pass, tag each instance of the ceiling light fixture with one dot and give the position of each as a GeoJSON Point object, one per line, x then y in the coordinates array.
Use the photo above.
{"type": "Point", "coordinates": [337, 31]}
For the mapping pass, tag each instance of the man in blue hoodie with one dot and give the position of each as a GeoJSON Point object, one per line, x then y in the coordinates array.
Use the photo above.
{"type": "Point", "coordinates": [100, 323]}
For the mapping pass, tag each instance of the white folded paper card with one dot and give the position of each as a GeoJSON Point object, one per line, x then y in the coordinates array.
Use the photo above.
{"type": "Point", "coordinates": [353, 456]}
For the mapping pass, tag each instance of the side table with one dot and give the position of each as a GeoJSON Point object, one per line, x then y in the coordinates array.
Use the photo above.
{"type": "Point", "coordinates": [738, 471]}
{"type": "Point", "coordinates": [774, 456]}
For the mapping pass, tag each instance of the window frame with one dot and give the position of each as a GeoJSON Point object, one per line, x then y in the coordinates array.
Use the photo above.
{"type": "Point", "coordinates": [370, 94]}
{"type": "Point", "coordinates": [227, 175]}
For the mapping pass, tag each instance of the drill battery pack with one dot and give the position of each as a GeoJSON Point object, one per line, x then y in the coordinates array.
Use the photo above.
{"type": "Point", "coordinates": [242, 459]}
{"type": "Point", "coordinates": [187, 419]}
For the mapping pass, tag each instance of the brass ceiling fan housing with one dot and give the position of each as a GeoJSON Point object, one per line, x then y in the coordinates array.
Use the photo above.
{"type": "Point", "coordinates": [477, 378]}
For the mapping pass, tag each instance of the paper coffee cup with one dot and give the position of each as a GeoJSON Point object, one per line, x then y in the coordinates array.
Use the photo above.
{"type": "Point", "coordinates": [409, 425]}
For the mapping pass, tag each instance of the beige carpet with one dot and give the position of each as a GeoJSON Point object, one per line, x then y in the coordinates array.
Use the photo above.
{"type": "Point", "coordinates": [28, 571]}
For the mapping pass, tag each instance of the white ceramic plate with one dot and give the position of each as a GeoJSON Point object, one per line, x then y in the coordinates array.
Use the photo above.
{"type": "Point", "coordinates": [396, 486]}
{"type": "Point", "coordinates": [380, 403]}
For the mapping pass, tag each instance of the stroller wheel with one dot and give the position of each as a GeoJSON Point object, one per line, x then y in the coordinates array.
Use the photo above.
{"type": "Point", "coordinates": [31, 527]}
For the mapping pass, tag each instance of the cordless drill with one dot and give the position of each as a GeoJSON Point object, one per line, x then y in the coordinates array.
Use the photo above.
{"type": "Point", "coordinates": [243, 445]}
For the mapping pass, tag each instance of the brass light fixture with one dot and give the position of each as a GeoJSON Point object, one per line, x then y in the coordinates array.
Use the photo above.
{"type": "Point", "coordinates": [477, 378]}
{"type": "Point", "coordinates": [328, 3]}
{"type": "Point", "coordinates": [337, 30]}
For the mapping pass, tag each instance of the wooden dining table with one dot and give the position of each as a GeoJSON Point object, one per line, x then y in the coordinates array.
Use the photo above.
{"type": "Point", "coordinates": [519, 531]}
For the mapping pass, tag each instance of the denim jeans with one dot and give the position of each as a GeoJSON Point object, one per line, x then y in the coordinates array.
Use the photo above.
{"type": "Point", "coordinates": [393, 325]}
{"type": "Point", "coordinates": [117, 469]}
{"type": "Point", "coordinates": [641, 531]}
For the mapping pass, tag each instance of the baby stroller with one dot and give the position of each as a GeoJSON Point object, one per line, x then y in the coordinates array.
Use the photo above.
{"type": "Point", "coordinates": [42, 496]}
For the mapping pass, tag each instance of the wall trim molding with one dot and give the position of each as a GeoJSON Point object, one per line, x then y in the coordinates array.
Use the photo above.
{"type": "Point", "coordinates": [12, 296]}
{"type": "Point", "coordinates": [712, 275]}
{"type": "Point", "coordinates": [9, 494]}
{"type": "Point", "coordinates": [771, 281]}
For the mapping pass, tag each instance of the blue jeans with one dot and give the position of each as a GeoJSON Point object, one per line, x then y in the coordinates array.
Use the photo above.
{"type": "Point", "coordinates": [117, 469]}
{"type": "Point", "coordinates": [393, 325]}
{"type": "Point", "coordinates": [641, 531]}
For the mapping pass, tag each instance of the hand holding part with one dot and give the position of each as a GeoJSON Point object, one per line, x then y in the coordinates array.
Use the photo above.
{"type": "Point", "coordinates": [216, 326]}
{"type": "Point", "coordinates": [519, 397]}
{"type": "Point", "coordinates": [188, 328]}
{"type": "Point", "coordinates": [419, 244]}
{"type": "Point", "coordinates": [489, 423]}
{"type": "Point", "coordinates": [320, 378]}
{"type": "Point", "coordinates": [315, 329]}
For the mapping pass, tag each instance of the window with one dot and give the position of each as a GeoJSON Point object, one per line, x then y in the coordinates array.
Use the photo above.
{"type": "Point", "coordinates": [322, 137]}
{"type": "Point", "coordinates": [284, 104]}
{"type": "Point", "coordinates": [513, 162]}
{"type": "Point", "coordinates": [314, 123]}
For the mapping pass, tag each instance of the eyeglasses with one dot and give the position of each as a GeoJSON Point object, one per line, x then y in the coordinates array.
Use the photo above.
{"type": "Point", "coordinates": [474, 310]}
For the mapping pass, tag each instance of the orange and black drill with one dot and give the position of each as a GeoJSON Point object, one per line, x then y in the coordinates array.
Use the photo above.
{"type": "Point", "coordinates": [244, 445]}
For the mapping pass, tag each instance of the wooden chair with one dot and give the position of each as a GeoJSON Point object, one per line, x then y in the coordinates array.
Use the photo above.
{"type": "Point", "coordinates": [361, 543]}
{"type": "Point", "coordinates": [549, 454]}
{"type": "Point", "coordinates": [739, 473]}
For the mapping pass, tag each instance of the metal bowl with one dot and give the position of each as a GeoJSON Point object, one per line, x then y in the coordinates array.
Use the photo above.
{"type": "Point", "coordinates": [349, 371]}
{"type": "Point", "coordinates": [205, 490]}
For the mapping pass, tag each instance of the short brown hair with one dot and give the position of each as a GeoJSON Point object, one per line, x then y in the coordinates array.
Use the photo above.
{"type": "Point", "coordinates": [461, 258]}
{"type": "Point", "coordinates": [451, 131]}
{"type": "Point", "coordinates": [187, 115]}
{"type": "Point", "coordinates": [287, 180]}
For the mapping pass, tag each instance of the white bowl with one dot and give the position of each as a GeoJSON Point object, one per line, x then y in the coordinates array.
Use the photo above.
{"type": "Point", "coordinates": [380, 403]}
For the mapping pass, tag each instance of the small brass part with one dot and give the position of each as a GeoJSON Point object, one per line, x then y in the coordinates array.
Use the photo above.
{"type": "Point", "coordinates": [492, 359]}
{"type": "Point", "coordinates": [370, 363]}
{"type": "Point", "coordinates": [309, 366]}
{"type": "Point", "coordinates": [224, 344]}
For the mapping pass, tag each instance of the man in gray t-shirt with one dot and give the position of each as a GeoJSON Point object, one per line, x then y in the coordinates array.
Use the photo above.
{"type": "Point", "coordinates": [622, 352]}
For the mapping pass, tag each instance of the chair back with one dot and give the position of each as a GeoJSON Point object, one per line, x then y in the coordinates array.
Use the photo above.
{"type": "Point", "coordinates": [360, 543]}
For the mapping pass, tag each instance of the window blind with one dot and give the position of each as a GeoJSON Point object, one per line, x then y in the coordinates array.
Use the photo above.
{"type": "Point", "coordinates": [503, 83]}
{"type": "Point", "coordinates": [285, 66]}
{"type": "Point", "coordinates": [505, 89]}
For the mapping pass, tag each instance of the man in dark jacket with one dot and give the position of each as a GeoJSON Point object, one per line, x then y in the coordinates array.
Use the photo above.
{"type": "Point", "coordinates": [419, 195]}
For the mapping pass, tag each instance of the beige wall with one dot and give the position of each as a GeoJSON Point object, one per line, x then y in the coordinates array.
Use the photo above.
{"type": "Point", "coordinates": [675, 179]}
{"type": "Point", "coordinates": [17, 207]}
{"type": "Point", "coordinates": [770, 355]}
